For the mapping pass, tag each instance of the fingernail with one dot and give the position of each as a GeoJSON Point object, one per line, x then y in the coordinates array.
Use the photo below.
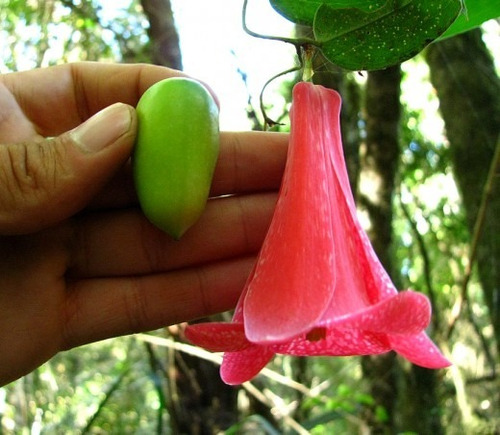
{"type": "Point", "coordinates": [103, 129]}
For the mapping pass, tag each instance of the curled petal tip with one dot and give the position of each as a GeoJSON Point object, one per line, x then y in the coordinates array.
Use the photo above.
{"type": "Point", "coordinates": [239, 367]}
{"type": "Point", "coordinates": [420, 350]}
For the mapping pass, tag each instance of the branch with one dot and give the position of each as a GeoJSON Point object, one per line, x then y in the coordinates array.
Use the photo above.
{"type": "Point", "coordinates": [217, 359]}
{"type": "Point", "coordinates": [268, 121]}
{"type": "Point", "coordinates": [426, 262]}
{"type": "Point", "coordinates": [297, 42]}
{"type": "Point", "coordinates": [265, 397]}
{"type": "Point", "coordinates": [476, 235]}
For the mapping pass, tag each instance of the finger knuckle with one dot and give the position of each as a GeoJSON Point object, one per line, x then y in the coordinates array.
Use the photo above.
{"type": "Point", "coordinates": [29, 171]}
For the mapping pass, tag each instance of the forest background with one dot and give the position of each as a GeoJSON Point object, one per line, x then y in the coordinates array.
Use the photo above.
{"type": "Point", "coordinates": [421, 141]}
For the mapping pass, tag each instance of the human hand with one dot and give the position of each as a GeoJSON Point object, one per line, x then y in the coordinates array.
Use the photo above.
{"type": "Point", "coordinates": [78, 261]}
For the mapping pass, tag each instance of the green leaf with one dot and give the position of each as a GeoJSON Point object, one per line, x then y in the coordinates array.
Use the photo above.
{"type": "Point", "coordinates": [356, 40]}
{"type": "Point", "coordinates": [475, 13]}
{"type": "Point", "coordinates": [303, 11]}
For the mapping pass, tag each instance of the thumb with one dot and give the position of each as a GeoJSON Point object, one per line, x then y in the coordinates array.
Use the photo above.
{"type": "Point", "coordinates": [44, 182]}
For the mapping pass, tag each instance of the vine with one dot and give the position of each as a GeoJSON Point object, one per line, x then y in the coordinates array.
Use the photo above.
{"type": "Point", "coordinates": [305, 49]}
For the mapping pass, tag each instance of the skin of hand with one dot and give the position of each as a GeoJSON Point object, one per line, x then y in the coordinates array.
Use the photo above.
{"type": "Point", "coordinates": [78, 261]}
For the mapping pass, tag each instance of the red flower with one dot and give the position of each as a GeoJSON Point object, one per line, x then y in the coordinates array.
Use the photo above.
{"type": "Point", "coordinates": [317, 288]}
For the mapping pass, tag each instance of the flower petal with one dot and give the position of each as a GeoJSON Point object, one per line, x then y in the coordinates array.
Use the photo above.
{"type": "Point", "coordinates": [406, 313]}
{"type": "Point", "coordinates": [361, 280]}
{"type": "Point", "coordinates": [420, 350]}
{"type": "Point", "coordinates": [317, 287]}
{"type": "Point", "coordinates": [218, 336]}
{"type": "Point", "coordinates": [336, 342]}
{"type": "Point", "coordinates": [295, 273]}
{"type": "Point", "coordinates": [239, 367]}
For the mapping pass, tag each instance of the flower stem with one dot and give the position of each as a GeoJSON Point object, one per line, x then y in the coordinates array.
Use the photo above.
{"type": "Point", "coordinates": [297, 42]}
{"type": "Point", "coordinates": [306, 57]}
{"type": "Point", "coordinates": [305, 48]}
{"type": "Point", "coordinates": [268, 121]}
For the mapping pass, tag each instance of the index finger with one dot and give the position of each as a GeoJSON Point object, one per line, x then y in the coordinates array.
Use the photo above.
{"type": "Point", "coordinates": [59, 98]}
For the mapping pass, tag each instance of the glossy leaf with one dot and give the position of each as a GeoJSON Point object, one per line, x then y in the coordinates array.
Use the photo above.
{"type": "Point", "coordinates": [356, 40]}
{"type": "Point", "coordinates": [475, 13]}
{"type": "Point", "coordinates": [303, 11]}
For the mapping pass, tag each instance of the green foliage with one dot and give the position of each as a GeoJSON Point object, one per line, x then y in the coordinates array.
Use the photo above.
{"type": "Point", "coordinates": [357, 40]}
{"type": "Point", "coordinates": [370, 35]}
{"type": "Point", "coordinates": [425, 20]}
{"type": "Point", "coordinates": [474, 14]}
{"type": "Point", "coordinates": [303, 11]}
{"type": "Point", "coordinates": [431, 217]}
{"type": "Point", "coordinates": [106, 387]}
{"type": "Point", "coordinates": [65, 31]}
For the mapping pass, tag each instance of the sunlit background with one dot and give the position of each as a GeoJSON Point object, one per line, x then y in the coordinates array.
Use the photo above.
{"type": "Point", "coordinates": [216, 49]}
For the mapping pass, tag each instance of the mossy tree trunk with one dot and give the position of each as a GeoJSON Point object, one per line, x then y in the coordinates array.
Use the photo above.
{"type": "Point", "coordinates": [406, 394]}
{"type": "Point", "coordinates": [464, 76]}
{"type": "Point", "coordinates": [379, 163]}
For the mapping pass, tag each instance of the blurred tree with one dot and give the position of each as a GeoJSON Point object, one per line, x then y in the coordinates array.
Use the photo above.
{"type": "Point", "coordinates": [163, 36]}
{"type": "Point", "coordinates": [380, 157]}
{"type": "Point", "coordinates": [468, 87]}
{"type": "Point", "coordinates": [379, 165]}
{"type": "Point", "coordinates": [200, 402]}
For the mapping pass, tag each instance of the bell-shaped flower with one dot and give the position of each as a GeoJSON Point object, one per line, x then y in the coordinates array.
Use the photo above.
{"type": "Point", "coordinates": [318, 287]}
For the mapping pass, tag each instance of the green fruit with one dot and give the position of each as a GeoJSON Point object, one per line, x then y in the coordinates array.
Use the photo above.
{"type": "Point", "coordinates": [175, 153]}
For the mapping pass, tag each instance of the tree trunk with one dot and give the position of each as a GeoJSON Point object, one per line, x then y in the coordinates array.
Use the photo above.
{"type": "Point", "coordinates": [203, 404]}
{"type": "Point", "coordinates": [463, 74]}
{"type": "Point", "coordinates": [380, 157]}
{"type": "Point", "coordinates": [407, 396]}
{"type": "Point", "coordinates": [419, 409]}
{"type": "Point", "coordinates": [163, 37]}
{"type": "Point", "coordinates": [379, 163]}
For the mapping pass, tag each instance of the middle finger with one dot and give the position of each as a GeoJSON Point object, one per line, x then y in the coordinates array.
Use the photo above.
{"type": "Point", "coordinates": [123, 242]}
{"type": "Point", "coordinates": [248, 162]}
